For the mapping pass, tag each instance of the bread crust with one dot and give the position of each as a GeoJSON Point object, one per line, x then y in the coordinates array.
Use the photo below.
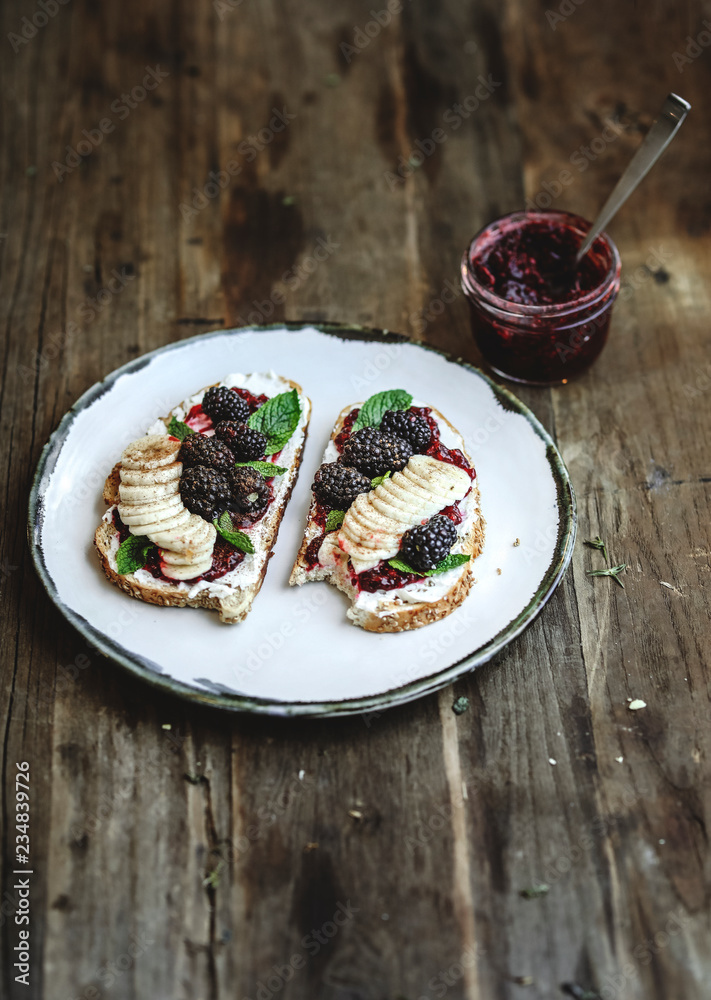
{"type": "Point", "coordinates": [393, 615]}
{"type": "Point", "coordinates": [111, 486]}
{"type": "Point", "coordinates": [232, 609]}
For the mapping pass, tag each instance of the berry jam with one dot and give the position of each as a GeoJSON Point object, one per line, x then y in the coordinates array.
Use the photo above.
{"type": "Point", "coordinates": [536, 316]}
{"type": "Point", "coordinates": [384, 577]}
{"type": "Point", "coordinates": [252, 401]}
{"type": "Point", "coordinates": [320, 513]}
{"type": "Point", "coordinates": [311, 554]}
{"type": "Point", "coordinates": [534, 264]}
{"type": "Point", "coordinates": [123, 531]}
{"type": "Point", "coordinates": [438, 450]}
{"type": "Point", "coordinates": [225, 558]}
{"type": "Point", "coordinates": [198, 420]}
{"type": "Point", "coordinates": [345, 431]}
{"type": "Point", "coordinates": [453, 513]}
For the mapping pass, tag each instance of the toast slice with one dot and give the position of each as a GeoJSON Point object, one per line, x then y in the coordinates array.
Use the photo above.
{"type": "Point", "coordinates": [158, 541]}
{"type": "Point", "coordinates": [359, 545]}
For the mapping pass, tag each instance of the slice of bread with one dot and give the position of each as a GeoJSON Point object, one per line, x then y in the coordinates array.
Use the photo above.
{"type": "Point", "coordinates": [416, 603]}
{"type": "Point", "coordinates": [233, 593]}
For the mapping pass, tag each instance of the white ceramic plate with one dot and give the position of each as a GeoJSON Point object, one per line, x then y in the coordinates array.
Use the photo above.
{"type": "Point", "coordinates": [297, 653]}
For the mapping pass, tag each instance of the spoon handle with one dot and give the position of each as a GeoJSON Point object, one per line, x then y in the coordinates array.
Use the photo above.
{"type": "Point", "coordinates": [674, 111]}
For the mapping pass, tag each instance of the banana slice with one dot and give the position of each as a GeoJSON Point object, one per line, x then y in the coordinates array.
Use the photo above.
{"type": "Point", "coordinates": [152, 528]}
{"type": "Point", "coordinates": [444, 473]}
{"type": "Point", "coordinates": [368, 513]}
{"type": "Point", "coordinates": [390, 509]}
{"type": "Point", "coordinates": [184, 558]}
{"type": "Point", "coordinates": [147, 494]}
{"type": "Point", "coordinates": [382, 548]}
{"type": "Point", "coordinates": [329, 553]}
{"type": "Point", "coordinates": [187, 572]}
{"type": "Point", "coordinates": [361, 548]}
{"type": "Point", "coordinates": [435, 486]}
{"type": "Point", "coordinates": [154, 451]}
{"type": "Point", "coordinates": [372, 529]}
{"type": "Point", "coordinates": [189, 537]}
{"type": "Point", "coordinates": [365, 559]}
{"type": "Point", "coordinates": [394, 493]}
{"type": "Point", "coordinates": [432, 486]}
{"type": "Point", "coordinates": [134, 513]}
{"type": "Point", "coordinates": [420, 498]}
{"type": "Point", "coordinates": [147, 477]}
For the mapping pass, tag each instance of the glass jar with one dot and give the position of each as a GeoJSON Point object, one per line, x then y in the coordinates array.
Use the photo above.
{"type": "Point", "coordinates": [537, 318]}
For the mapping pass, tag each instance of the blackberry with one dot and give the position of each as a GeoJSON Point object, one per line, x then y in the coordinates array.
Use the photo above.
{"type": "Point", "coordinates": [408, 425]}
{"type": "Point", "coordinates": [205, 491]}
{"type": "Point", "coordinates": [221, 403]}
{"type": "Point", "coordinates": [197, 449]}
{"type": "Point", "coordinates": [373, 452]}
{"type": "Point", "coordinates": [250, 490]}
{"type": "Point", "coordinates": [428, 544]}
{"type": "Point", "coordinates": [338, 485]}
{"type": "Point", "coordinates": [247, 444]}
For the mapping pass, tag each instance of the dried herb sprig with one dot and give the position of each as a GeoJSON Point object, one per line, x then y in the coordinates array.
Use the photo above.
{"type": "Point", "coordinates": [535, 891]}
{"type": "Point", "coordinates": [212, 880]}
{"type": "Point", "coordinates": [613, 571]}
{"type": "Point", "coordinates": [597, 543]}
{"type": "Point", "coordinates": [578, 993]}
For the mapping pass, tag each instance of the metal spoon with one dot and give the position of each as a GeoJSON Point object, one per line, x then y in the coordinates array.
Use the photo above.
{"type": "Point", "coordinates": [674, 111]}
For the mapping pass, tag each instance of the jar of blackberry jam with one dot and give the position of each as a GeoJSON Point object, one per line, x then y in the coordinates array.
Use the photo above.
{"type": "Point", "coordinates": [536, 317]}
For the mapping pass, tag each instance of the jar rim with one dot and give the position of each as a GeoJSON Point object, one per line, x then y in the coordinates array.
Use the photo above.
{"type": "Point", "coordinates": [470, 284]}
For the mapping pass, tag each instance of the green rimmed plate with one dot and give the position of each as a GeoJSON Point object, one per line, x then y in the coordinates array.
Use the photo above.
{"type": "Point", "coordinates": [297, 654]}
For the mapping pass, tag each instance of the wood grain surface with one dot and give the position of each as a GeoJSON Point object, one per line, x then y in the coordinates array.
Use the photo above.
{"type": "Point", "coordinates": [194, 861]}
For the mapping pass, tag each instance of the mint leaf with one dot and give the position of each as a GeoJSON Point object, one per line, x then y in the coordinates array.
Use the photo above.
{"type": "Point", "coordinates": [380, 479]}
{"type": "Point", "coordinates": [334, 519]}
{"type": "Point", "coordinates": [449, 562]}
{"type": "Point", "coordinates": [278, 419]}
{"type": "Point", "coordinates": [179, 430]}
{"type": "Point", "coordinates": [132, 554]}
{"type": "Point", "coordinates": [236, 538]}
{"type": "Point", "coordinates": [267, 469]}
{"type": "Point", "coordinates": [403, 567]}
{"type": "Point", "coordinates": [374, 409]}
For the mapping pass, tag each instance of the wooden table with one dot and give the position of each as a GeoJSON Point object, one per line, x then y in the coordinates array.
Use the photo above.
{"type": "Point", "coordinates": [221, 142]}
